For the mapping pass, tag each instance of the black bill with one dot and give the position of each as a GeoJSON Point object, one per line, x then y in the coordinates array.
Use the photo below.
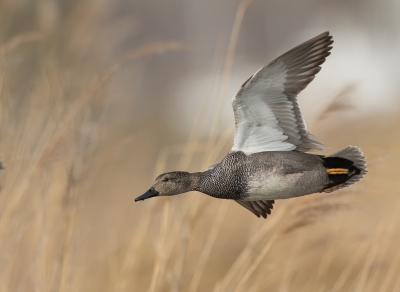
{"type": "Point", "coordinates": [147, 195]}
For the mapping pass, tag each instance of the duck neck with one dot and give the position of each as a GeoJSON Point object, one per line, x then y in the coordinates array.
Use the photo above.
{"type": "Point", "coordinates": [204, 183]}
{"type": "Point", "coordinates": [195, 181]}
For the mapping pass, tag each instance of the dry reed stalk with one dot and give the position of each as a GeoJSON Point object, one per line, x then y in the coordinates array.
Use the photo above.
{"type": "Point", "coordinates": [39, 250]}
{"type": "Point", "coordinates": [85, 98]}
{"type": "Point", "coordinates": [221, 143]}
{"type": "Point", "coordinates": [323, 268]}
{"type": "Point", "coordinates": [313, 212]}
{"type": "Point", "coordinates": [390, 275]}
{"type": "Point", "coordinates": [205, 253]}
{"type": "Point", "coordinates": [20, 39]}
{"type": "Point", "coordinates": [340, 102]}
{"type": "Point", "coordinates": [21, 184]}
{"type": "Point", "coordinates": [178, 270]}
{"type": "Point", "coordinates": [257, 261]}
{"type": "Point", "coordinates": [290, 265]}
{"type": "Point", "coordinates": [183, 225]}
{"type": "Point", "coordinates": [375, 245]}
{"type": "Point", "coordinates": [366, 270]}
{"type": "Point", "coordinates": [300, 217]}
{"type": "Point", "coordinates": [255, 287]}
{"type": "Point", "coordinates": [227, 73]}
{"type": "Point", "coordinates": [132, 254]}
{"type": "Point", "coordinates": [63, 283]}
{"type": "Point", "coordinates": [9, 46]}
{"type": "Point", "coordinates": [158, 267]}
{"type": "Point", "coordinates": [2, 75]}
{"type": "Point", "coordinates": [137, 240]}
{"type": "Point", "coordinates": [350, 267]}
{"type": "Point", "coordinates": [245, 254]}
{"type": "Point", "coordinates": [194, 136]}
{"type": "Point", "coordinates": [384, 246]}
{"type": "Point", "coordinates": [397, 285]}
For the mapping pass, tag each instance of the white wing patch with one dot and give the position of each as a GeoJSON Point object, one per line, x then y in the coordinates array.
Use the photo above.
{"type": "Point", "coordinates": [259, 130]}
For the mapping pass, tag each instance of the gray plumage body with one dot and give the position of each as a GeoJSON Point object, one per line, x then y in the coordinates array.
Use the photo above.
{"type": "Point", "coordinates": [266, 175]}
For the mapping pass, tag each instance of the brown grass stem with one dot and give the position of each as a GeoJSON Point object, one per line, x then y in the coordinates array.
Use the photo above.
{"type": "Point", "coordinates": [257, 261]}
{"type": "Point", "coordinates": [375, 245]}
{"type": "Point", "coordinates": [161, 259]}
{"type": "Point", "coordinates": [248, 249]}
{"type": "Point", "coordinates": [205, 253]}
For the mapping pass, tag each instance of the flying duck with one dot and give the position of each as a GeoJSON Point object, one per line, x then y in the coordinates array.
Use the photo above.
{"type": "Point", "coordinates": [269, 159]}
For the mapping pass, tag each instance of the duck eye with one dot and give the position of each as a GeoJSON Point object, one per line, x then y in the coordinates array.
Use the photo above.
{"type": "Point", "coordinates": [165, 179]}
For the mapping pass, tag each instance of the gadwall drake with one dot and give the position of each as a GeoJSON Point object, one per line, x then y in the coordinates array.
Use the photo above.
{"type": "Point", "coordinates": [268, 160]}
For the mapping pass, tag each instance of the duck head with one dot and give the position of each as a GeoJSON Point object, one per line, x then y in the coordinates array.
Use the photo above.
{"type": "Point", "coordinates": [170, 184]}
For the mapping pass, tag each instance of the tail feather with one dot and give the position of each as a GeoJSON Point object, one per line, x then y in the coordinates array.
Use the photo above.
{"type": "Point", "coordinates": [351, 158]}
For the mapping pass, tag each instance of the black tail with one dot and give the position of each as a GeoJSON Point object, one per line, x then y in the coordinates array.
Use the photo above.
{"type": "Point", "coordinates": [344, 168]}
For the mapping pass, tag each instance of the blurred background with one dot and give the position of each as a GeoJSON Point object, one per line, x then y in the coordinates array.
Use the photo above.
{"type": "Point", "coordinates": [97, 97]}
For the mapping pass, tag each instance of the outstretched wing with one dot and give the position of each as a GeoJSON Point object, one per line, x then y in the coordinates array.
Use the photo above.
{"type": "Point", "coordinates": [258, 208]}
{"type": "Point", "coordinates": [267, 114]}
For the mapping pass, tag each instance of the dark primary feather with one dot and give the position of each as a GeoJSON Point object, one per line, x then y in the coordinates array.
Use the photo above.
{"type": "Point", "coordinates": [302, 63]}
{"type": "Point", "coordinates": [258, 208]}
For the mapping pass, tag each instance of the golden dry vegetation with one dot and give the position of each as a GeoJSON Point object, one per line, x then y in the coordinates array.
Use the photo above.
{"type": "Point", "coordinates": [68, 221]}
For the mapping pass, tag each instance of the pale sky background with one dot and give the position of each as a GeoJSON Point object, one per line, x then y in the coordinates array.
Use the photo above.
{"type": "Point", "coordinates": [365, 53]}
